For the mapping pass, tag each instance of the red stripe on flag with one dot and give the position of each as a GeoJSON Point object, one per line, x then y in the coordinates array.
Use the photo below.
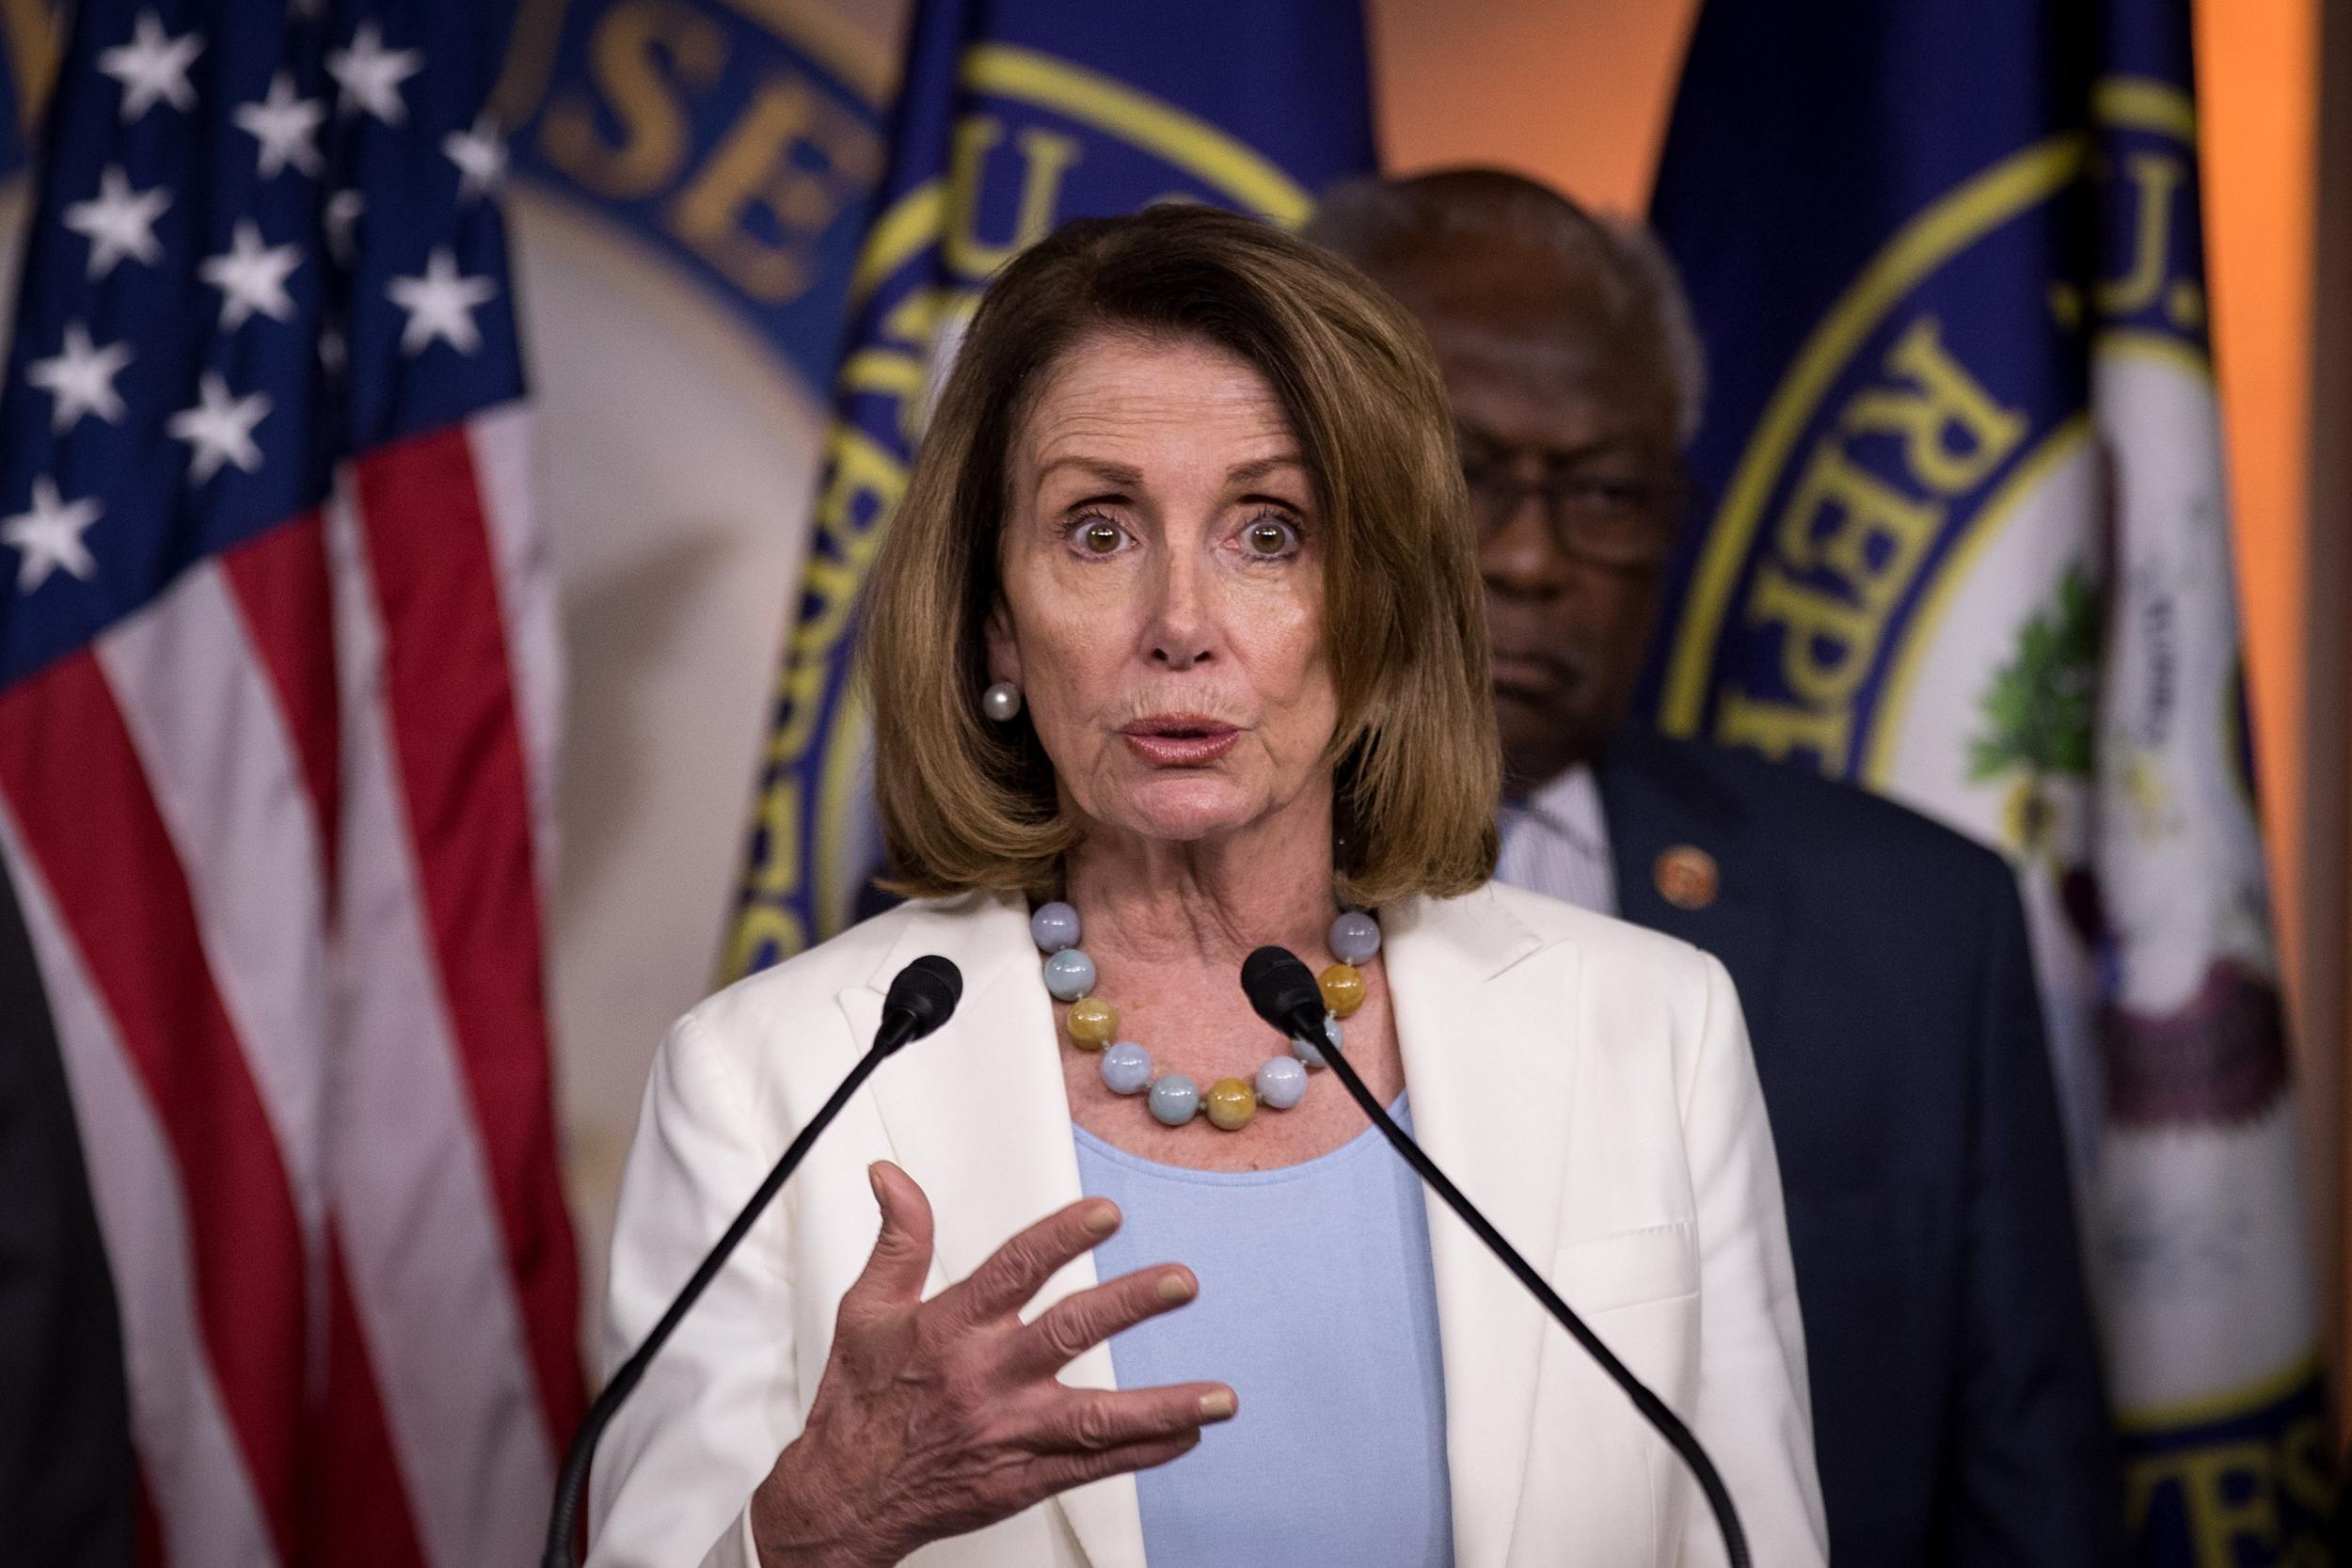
{"type": "Point", "coordinates": [451, 700]}
{"type": "Point", "coordinates": [360, 1516]}
{"type": "Point", "coordinates": [89, 824]}
{"type": "Point", "coordinates": [360, 1511]}
{"type": "Point", "coordinates": [147, 1525]}
{"type": "Point", "coordinates": [280, 582]}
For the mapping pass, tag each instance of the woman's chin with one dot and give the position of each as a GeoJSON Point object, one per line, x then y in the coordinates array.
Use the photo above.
{"type": "Point", "coordinates": [1186, 809]}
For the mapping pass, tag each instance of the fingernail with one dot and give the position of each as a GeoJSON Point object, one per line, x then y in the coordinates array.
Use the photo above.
{"type": "Point", "coordinates": [1218, 1406]}
{"type": "Point", "coordinates": [1102, 1219]}
{"type": "Point", "coordinates": [873, 1180]}
{"type": "Point", "coordinates": [1176, 1288]}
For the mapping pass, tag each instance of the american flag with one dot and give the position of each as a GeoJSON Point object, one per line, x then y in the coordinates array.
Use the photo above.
{"type": "Point", "coordinates": [277, 694]}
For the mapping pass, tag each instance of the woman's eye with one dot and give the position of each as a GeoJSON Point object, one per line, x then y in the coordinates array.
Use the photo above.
{"type": "Point", "coordinates": [1270, 536]}
{"type": "Point", "coordinates": [1098, 538]}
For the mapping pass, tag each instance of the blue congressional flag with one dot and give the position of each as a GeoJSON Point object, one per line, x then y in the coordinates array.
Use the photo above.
{"type": "Point", "coordinates": [1012, 117]}
{"type": "Point", "coordinates": [1967, 542]}
{"type": "Point", "coordinates": [737, 144]}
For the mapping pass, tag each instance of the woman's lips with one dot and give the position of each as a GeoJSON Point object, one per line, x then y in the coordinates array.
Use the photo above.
{"type": "Point", "coordinates": [1180, 739]}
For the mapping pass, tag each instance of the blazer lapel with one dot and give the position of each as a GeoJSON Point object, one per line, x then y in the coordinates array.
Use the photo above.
{"type": "Point", "coordinates": [984, 1099]}
{"type": "Point", "coordinates": [1485, 1013]}
{"type": "Point", "coordinates": [1489, 1096]}
{"type": "Point", "coordinates": [1654, 808]}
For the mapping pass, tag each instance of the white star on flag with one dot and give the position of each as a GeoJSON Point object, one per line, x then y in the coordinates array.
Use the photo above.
{"type": "Point", "coordinates": [252, 279]}
{"type": "Point", "coordinates": [219, 428]}
{"type": "Point", "coordinates": [440, 305]}
{"type": "Point", "coordinates": [283, 124]}
{"type": "Point", "coordinates": [152, 67]}
{"type": "Point", "coordinates": [480, 156]}
{"type": "Point", "coordinates": [81, 378]}
{"type": "Point", "coordinates": [50, 537]}
{"type": "Point", "coordinates": [370, 74]}
{"type": "Point", "coordinates": [118, 222]}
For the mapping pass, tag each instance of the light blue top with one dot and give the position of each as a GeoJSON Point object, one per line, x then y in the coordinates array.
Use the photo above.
{"type": "Point", "coordinates": [1319, 1307]}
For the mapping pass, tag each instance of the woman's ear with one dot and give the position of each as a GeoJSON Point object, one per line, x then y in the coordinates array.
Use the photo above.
{"type": "Point", "coordinates": [1004, 649]}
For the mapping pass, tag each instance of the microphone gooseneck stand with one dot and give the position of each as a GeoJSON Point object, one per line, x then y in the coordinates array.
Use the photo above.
{"type": "Point", "coordinates": [1284, 993]}
{"type": "Point", "coordinates": [920, 999]}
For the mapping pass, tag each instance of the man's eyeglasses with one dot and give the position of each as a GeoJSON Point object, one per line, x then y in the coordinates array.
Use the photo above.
{"type": "Point", "coordinates": [1608, 519]}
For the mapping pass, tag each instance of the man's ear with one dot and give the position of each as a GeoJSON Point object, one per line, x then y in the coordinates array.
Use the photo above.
{"type": "Point", "coordinates": [1004, 649]}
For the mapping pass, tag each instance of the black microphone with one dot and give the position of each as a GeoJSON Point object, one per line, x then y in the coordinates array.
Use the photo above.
{"type": "Point", "coordinates": [1284, 993]}
{"type": "Point", "coordinates": [919, 1001]}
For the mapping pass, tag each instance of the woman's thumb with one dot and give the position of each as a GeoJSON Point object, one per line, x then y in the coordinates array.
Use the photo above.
{"type": "Point", "coordinates": [901, 1259]}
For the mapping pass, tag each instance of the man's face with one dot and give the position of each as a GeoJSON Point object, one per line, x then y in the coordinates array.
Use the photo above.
{"type": "Point", "coordinates": [1567, 417]}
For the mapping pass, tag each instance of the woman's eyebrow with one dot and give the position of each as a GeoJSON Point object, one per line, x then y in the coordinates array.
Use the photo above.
{"type": "Point", "coordinates": [1121, 474]}
{"type": "Point", "coordinates": [1261, 466]}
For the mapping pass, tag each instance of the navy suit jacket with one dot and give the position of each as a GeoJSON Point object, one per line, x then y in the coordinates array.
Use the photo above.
{"type": "Point", "coordinates": [1882, 962]}
{"type": "Point", "coordinates": [65, 1425]}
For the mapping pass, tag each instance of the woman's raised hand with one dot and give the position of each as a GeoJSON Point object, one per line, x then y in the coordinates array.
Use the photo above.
{"type": "Point", "coordinates": [937, 1418]}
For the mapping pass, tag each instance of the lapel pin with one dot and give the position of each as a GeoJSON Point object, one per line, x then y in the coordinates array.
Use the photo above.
{"type": "Point", "coordinates": [1687, 877]}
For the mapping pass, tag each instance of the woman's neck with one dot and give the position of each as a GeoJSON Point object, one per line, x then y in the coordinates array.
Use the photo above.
{"type": "Point", "coordinates": [1207, 902]}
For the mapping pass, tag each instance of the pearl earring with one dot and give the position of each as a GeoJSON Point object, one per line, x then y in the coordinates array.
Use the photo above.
{"type": "Point", "coordinates": [1001, 702]}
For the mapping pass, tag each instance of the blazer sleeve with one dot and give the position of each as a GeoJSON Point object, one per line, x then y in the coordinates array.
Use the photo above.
{"type": "Point", "coordinates": [674, 1473]}
{"type": "Point", "coordinates": [2034, 1457]}
{"type": "Point", "coordinates": [1754, 1411]}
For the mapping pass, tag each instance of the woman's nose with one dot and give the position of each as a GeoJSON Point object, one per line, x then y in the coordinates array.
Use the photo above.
{"type": "Point", "coordinates": [1181, 632]}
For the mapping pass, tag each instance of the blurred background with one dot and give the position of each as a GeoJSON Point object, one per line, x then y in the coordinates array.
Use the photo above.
{"type": "Point", "coordinates": [679, 494]}
{"type": "Point", "coordinates": [679, 490]}
{"type": "Point", "coordinates": [687, 188]}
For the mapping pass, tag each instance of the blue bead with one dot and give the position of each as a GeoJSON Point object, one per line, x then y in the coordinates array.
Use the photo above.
{"type": "Point", "coordinates": [1175, 1099]}
{"type": "Point", "coordinates": [1282, 1081]}
{"type": "Point", "coordinates": [1355, 936]}
{"type": "Point", "coordinates": [1312, 1055]}
{"type": "Point", "coordinates": [1126, 1069]}
{"type": "Point", "coordinates": [1053, 927]}
{"type": "Point", "coordinates": [1069, 974]}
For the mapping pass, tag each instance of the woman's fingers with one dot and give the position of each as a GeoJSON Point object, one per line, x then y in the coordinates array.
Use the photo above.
{"type": "Point", "coordinates": [1019, 1269]}
{"type": "Point", "coordinates": [1059, 1472]}
{"type": "Point", "coordinates": [896, 1270]}
{"type": "Point", "coordinates": [1079, 1322]}
{"type": "Point", "coordinates": [1100, 1420]}
{"type": "Point", "coordinates": [1088, 1434]}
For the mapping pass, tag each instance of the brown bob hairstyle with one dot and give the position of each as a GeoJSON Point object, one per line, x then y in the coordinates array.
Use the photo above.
{"type": "Point", "coordinates": [966, 804]}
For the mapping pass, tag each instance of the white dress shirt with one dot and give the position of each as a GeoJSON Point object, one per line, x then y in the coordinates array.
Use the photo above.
{"type": "Point", "coordinates": [1556, 843]}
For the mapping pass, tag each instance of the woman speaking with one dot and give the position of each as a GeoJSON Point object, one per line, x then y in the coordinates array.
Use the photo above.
{"type": "Point", "coordinates": [1174, 650]}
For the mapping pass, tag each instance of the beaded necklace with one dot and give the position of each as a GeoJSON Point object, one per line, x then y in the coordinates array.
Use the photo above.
{"type": "Point", "coordinates": [1174, 1098]}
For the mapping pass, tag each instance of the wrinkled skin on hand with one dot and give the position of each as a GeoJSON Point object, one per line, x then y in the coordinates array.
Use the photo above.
{"type": "Point", "coordinates": [938, 1417]}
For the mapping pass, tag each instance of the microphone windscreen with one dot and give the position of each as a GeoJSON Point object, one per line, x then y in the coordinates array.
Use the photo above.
{"type": "Point", "coordinates": [927, 991]}
{"type": "Point", "coordinates": [1278, 986]}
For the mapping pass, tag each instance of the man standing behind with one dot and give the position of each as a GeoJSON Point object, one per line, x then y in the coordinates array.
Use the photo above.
{"type": "Point", "coordinates": [1881, 960]}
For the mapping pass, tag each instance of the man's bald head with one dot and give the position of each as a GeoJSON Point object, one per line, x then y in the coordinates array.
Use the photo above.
{"type": "Point", "coordinates": [1492, 247]}
{"type": "Point", "coordinates": [1574, 373]}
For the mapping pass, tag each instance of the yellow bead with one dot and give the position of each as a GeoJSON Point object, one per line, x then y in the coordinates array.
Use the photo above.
{"type": "Point", "coordinates": [1343, 989]}
{"type": "Point", "coordinates": [1092, 1022]}
{"type": "Point", "coordinates": [1231, 1102]}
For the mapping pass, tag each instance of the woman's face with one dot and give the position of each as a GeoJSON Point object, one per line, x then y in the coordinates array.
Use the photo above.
{"type": "Point", "coordinates": [1161, 563]}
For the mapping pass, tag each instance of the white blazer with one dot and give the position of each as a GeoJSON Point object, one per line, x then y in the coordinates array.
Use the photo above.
{"type": "Point", "coordinates": [1586, 1082]}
